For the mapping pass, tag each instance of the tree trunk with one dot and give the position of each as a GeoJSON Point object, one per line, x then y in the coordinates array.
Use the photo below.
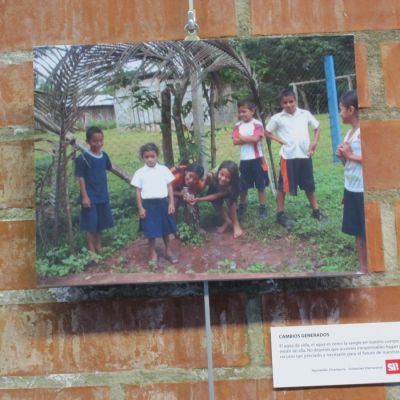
{"type": "Point", "coordinates": [210, 98]}
{"type": "Point", "coordinates": [179, 92]}
{"type": "Point", "coordinates": [62, 212]}
{"type": "Point", "coordinates": [58, 186]}
{"type": "Point", "coordinates": [198, 119]}
{"type": "Point", "coordinates": [67, 207]}
{"type": "Point", "coordinates": [166, 127]}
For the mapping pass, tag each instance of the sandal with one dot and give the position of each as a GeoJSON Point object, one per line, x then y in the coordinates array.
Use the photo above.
{"type": "Point", "coordinates": [172, 259]}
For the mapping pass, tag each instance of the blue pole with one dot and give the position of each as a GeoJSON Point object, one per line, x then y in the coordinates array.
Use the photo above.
{"type": "Point", "coordinates": [332, 104]}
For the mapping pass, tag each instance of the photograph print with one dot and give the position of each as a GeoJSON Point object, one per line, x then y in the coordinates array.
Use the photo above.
{"type": "Point", "coordinates": [189, 161]}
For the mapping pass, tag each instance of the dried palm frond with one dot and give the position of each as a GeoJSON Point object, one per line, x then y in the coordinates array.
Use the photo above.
{"type": "Point", "coordinates": [73, 75]}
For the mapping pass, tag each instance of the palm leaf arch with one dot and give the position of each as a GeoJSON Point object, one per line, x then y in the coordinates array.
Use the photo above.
{"type": "Point", "coordinates": [73, 74]}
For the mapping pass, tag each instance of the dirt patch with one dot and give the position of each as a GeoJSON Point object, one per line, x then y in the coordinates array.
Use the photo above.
{"type": "Point", "coordinates": [221, 257]}
{"type": "Point", "coordinates": [221, 253]}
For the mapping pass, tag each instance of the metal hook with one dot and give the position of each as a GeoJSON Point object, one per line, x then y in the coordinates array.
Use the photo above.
{"type": "Point", "coordinates": [191, 28]}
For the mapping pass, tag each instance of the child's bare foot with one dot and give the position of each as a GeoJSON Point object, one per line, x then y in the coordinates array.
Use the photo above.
{"type": "Point", "coordinates": [153, 256]}
{"type": "Point", "coordinates": [224, 227]}
{"type": "Point", "coordinates": [237, 232]}
{"type": "Point", "coordinates": [153, 261]}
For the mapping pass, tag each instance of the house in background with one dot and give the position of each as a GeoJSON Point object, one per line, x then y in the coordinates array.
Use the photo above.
{"type": "Point", "coordinates": [127, 114]}
{"type": "Point", "coordinates": [101, 109]}
{"type": "Point", "coordinates": [131, 116]}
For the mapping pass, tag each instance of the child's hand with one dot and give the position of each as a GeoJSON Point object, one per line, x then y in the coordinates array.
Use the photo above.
{"type": "Point", "coordinates": [311, 149]}
{"type": "Point", "coordinates": [171, 208]}
{"type": "Point", "coordinates": [346, 150]}
{"type": "Point", "coordinates": [142, 212]}
{"type": "Point", "coordinates": [188, 197]}
{"type": "Point", "coordinates": [339, 151]}
{"type": "Point", "coordinates": [86, 203]}
{"type": "Point", "coordinates": [282, 142]}
{"type": "Point", "coordinates": [192, 201]}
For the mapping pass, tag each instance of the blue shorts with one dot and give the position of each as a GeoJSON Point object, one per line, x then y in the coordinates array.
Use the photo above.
{"type": "Point", "coordinates": [96, 218]}
{"type": "Point", "coordinates": [253, 173]}
{"type": "Point", "coordinates": [353, 213]}
{"type": "Point", "coordinates": [294, 173]}
{"type": "Point", "coordinates": [157, 223]}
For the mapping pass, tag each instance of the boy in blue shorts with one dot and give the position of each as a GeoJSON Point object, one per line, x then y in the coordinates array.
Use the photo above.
{"type": "Point", "coordinates": [290, 128]}
{"type": "Point", "coordinates": [91, 170]}
{"type": "Point", "coordinates": [248, 134]}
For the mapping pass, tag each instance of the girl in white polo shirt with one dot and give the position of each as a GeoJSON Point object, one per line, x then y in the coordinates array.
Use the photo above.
{"type": "Point", "coordinates": [155, 201]}
{"type": "Point", "coordinates": [349, 153]}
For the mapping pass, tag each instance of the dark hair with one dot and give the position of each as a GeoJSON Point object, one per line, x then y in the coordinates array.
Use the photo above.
{"type": "Point", "coordinates": [248, 103]}
{"type": "Point", "coordinates": [196, 168]}
{"type": "Point", "coordinates": [349, 99]}
{"type": "Point", "coordinates": [233, 169]}
{"type": "Point", "coordinates": [289, 92]}
{"type": "Point", "coordinates": [92, 130]}
{"type": "Point", "coordinates": [148, 147]}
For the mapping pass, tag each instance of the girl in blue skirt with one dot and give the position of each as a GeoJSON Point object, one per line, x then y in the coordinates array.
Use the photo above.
{"type": "Point", "coordinates": [155, 201]}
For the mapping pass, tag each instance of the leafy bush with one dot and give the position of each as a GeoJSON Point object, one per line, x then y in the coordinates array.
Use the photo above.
{"type": "Point", "coordinates": [189, 236]}
{"type": "Point", "coordinates": [59, 263]}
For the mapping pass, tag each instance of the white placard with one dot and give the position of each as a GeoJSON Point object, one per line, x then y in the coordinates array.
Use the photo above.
{"type": "Point", "coordinates": [326, 355]}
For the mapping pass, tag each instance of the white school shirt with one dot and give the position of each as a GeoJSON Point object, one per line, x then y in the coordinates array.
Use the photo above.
{"type": "Point", "coordinates": [294, 130]}
{"type": "Point", "coordinates": [249, 151]}
{"type": "Point", "coordinates": [353, 176]}
{"type": "Point", "coordinates": [153, 181]}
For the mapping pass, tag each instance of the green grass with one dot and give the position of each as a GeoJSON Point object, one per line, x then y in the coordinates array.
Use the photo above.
{"type": "Point", "coordinates": [327, 248]}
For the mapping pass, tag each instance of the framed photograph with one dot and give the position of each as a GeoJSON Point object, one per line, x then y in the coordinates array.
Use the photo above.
{"type": "Point", "coordinates": [155, 160]}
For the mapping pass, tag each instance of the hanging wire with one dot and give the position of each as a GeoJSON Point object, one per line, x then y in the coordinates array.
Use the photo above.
{"type": "Point", "coordinates": [191, 28]}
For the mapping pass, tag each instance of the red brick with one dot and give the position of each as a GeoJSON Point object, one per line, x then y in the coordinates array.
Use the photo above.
{"type": "Point", "coordinates": [263, 389]}
{"type": "Point", "coordinates": [120, 335]}
{"type": "Point", "coordinates": [109, 335]}
{"type": "Point", "coordinates": [391, 67]}
{"type": "Point", "coordinates": [319, 307]}
{"type": "Point", "coordinates": [280, 17]}
{"type": "Point", "coordinates": [360, 51]}
{"type": "Point", "coordinates": [373, 226]}
{"type": "Point", "coordinates": [170, 391]}
{"type": "Point", "coordinates": [16, 94]}
{"type": "Point", "coordinates": [17, 255]}
{"type": "Point", "coordinates": [397, 220]}
{"type": "Point", "coordinates": [228, 321]}
{"type": "Point", "coordinates": [249, 389]}
{"type": "Point", "coordinates": [334, 393]}
{"type": "Point", "coordinates": [381, 149]}
{"type": "Point", "coordinates": [76, 393]}
{"type": "Point", "coordinates": [107, 21]}
{"type": "Point", "coordinates": [17, 187]}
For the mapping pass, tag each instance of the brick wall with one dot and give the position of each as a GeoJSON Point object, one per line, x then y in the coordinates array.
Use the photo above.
{"type": "Point", "coordinates": [148, 342]}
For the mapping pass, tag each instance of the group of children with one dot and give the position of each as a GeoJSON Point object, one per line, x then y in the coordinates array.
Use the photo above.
{"type": "Point", "coordinates": [160, 191]}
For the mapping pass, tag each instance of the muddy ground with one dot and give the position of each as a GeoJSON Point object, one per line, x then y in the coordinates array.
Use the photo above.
{"type": "Point", "coordinates": [221, 258]}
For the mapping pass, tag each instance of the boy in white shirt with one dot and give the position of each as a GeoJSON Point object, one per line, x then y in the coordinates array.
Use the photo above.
{"type": "Point", "coordinates": [290, 128]}
{"type": "Point", "coordinates": [248, 134]}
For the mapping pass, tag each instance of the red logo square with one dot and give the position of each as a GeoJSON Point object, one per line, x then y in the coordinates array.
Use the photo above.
{"type": "Point", "coordinates": [392, 366]}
